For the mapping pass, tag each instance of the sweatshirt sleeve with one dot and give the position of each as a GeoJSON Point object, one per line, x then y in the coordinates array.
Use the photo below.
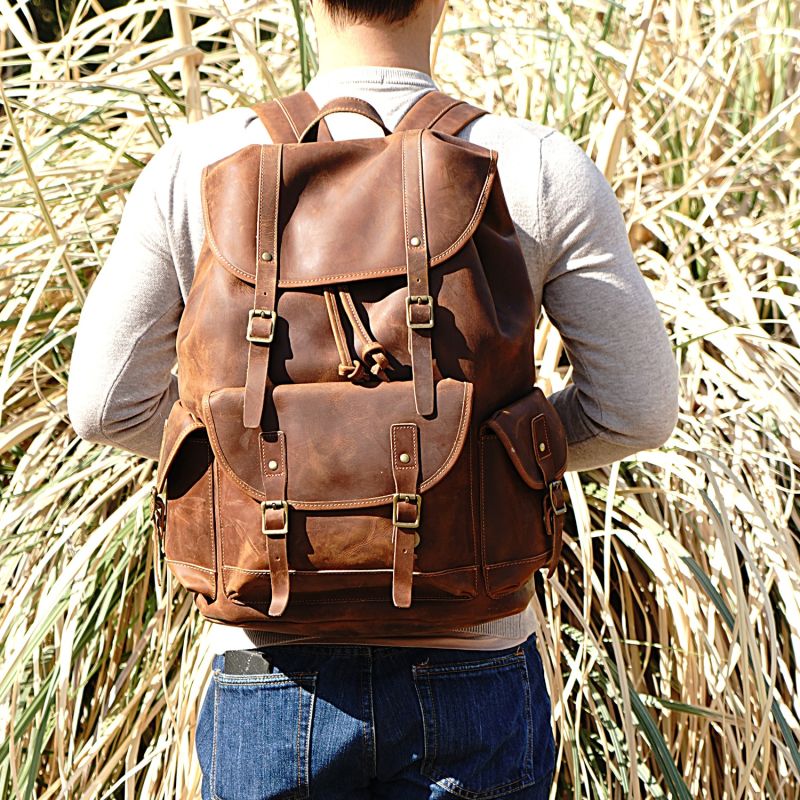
{"type": "Point", "coordinates": [624, 394]}
{"type": "Point", "coordinates": [124, 347]}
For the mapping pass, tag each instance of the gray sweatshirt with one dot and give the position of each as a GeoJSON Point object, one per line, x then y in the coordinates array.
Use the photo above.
{"type": "Point", "coordinates": [623, 396]}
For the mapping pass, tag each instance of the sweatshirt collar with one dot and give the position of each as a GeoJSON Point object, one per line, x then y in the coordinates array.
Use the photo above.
{"type": "Point", "coordinates": [370, 77]}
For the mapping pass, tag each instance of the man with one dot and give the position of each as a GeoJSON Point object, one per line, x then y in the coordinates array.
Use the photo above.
{"type": "Point", "coordinates": [463, 715]}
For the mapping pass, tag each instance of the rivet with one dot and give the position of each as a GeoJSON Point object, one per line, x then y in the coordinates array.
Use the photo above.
{"type": "Point", "coordinates": [273, 465]}
{"type": "Point", "coordinates": [414, 241]}
{"type": "Point", "coordinates": [416, 539]}
{"type": "Point", "coordinates": [404, 458]}
{"type": "Point", "coordinates": [542, 447]}
{"type": "Point", "coordinates": [266, 256]}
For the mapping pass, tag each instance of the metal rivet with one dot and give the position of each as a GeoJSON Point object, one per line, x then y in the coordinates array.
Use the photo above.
{"type": "Point", "coordinates": [542, 447]}
{"type": "Point", "coordinates": [404, 458]}
{"type": "Point", "coordinates": [414, 241]}
{"type": "Point", "coordinates": [273, 465]}
{"type": "Point", "coordinates": [266, 256]}
{"type": "Point", "coordinates": [416, 539]}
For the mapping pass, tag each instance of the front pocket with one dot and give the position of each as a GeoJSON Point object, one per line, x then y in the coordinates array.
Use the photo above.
{"type": "Point", "coordinates": [185, 473]}
{"type": "Point", "coordinates": [262, 736]}
{"type": "Point", "coordinates": [477, 726]}
{"type": "Point", "coordinates": [339, 491]}
{"type": "Point", "coordinates": [518, 446]}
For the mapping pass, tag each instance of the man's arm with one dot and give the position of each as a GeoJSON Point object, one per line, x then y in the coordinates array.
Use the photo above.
{"type": "Point", "coordinates": [125, 343]}
{"type": "Point", "coordinates": [624, 396]}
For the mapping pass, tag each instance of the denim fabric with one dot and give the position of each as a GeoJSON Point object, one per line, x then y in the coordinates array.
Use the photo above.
{"type": "Point", "coordinates": [333, 722]}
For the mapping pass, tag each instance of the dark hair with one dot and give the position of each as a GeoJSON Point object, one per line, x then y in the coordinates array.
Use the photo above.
{"type": "Point", "coordinates": [388, 11]}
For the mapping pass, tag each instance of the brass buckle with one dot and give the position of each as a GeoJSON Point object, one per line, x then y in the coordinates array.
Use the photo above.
{"type": "Point", "coordinates": [158, 514]}
{"type": "Point", "coordinates": [274, 504]}
{"type": "Point", "coordinates": [407, 498]}
{"type": "Point", "coordinates": [157, 505]}
{"type": "Point", "coordinates": [263, 313]}
{"type": "Point", "coordinates": [422, 300]}
{"type": "Point", "coordinates": [555, 486]}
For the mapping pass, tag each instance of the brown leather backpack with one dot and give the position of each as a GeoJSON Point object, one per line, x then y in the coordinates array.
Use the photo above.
{"type": "Point", "coordinates": [358, 448]}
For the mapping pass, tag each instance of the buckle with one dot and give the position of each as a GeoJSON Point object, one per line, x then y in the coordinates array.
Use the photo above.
{"type": "Point", "coordinates": [406, 498]}
{"type": "Point", "coordinates": [157, 505]}
{"type": "Point", "coordinates": [420, 300]}
{"type": "Point", "coordinates": [555, 486]}
{"type": "Point", "coordinates": [158, 513]}
{"type": "Point", "coordinates": [261, 313]}
{"type": "Point", "coordinates": [267, 505]}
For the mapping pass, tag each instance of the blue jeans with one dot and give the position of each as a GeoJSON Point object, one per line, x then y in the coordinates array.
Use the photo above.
{"type": "Point", "coordinates": [334, 722]}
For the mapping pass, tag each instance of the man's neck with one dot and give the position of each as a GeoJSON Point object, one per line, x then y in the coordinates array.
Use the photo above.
{"type": "Point", "coordinates": [374, 46]}
{"type": "Point", "coordinates": [371, 57]}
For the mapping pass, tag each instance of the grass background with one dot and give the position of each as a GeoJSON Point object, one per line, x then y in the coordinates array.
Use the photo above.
{"type": "Point", "coordinates": [671, 638]}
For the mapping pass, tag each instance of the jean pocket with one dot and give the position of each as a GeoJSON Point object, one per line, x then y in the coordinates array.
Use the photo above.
{"type": "Point", "coordinates": [262, 736]}
{"type": "Point", "coordinates": [479, 735]}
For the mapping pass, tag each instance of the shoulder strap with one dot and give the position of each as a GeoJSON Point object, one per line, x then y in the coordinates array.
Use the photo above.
{"type": "Point", "coordinates": [285, 118]}
{"type": "Point", "coordinates": [439, 112]}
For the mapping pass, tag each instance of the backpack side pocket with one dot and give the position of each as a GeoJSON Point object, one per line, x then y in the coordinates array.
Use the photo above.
{"type": "Point", "coordinates": [523, 452]}
{"type": "Point", "coordinates": [185, 479]}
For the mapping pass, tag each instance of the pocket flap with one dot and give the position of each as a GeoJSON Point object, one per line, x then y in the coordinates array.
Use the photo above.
{"type": "Point", "coordinates": [338, 452]}
{"type": "Point", "coordinates": [523, 427]}
{"type": "Point", "coordinates": [178, 425]}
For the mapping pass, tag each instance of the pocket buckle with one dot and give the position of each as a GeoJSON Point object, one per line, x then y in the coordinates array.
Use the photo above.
{"type": "Point", "coordinates": [158, 512]}
{"type": "Point", "coordinates": [399, 497]}
{"type": "Point", "coordinates": [557, 502]}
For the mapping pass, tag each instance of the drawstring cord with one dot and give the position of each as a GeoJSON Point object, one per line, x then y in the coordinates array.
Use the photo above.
{"type": "Point", "coordinates": [370, 349]}
{"type": "Point", "coordinates": [347, 369]}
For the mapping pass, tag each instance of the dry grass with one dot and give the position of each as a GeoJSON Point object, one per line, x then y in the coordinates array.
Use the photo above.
{"type": "Point", "coordinates": [672, 640]}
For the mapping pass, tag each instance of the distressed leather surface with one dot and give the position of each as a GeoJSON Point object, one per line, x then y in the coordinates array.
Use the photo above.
{"type": "Point", "coordinates": [405, 494]}
{"type": "Point", "coordinates": [338, 439]}
{"type": "Point", "coordinates": [512, 425]}
{"type": "Point", "coordinates": [334, 195]}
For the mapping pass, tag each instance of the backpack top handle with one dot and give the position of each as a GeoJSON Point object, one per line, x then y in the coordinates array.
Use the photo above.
{"type": "Point", "coordinates": [352, 105]}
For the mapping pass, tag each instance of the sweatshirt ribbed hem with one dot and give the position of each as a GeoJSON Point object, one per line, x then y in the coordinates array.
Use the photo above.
{"type": "Point", "coordinates": [497, 634]}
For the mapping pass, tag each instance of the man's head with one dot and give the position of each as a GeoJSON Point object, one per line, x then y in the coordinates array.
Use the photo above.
{"type": "Point", "coordinates": [354, 11]}
{"type": "Point", "coordinates": [377, 32]}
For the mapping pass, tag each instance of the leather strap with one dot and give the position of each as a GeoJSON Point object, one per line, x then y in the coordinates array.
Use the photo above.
{"type": "Point", "coordinates": [439, 112]}
{"type": "Point", "coordinates": [457, 118]}
{"type": "Point", "coordinates": [406, 509]}
{"type": "Point", "coordinates": [275, 516]}
{"type": "Point", "coordinates": [419, 303]}
{"type": "Point", "coordinates": [285, 118]}
{"type": "Point", "coordinates": [263, 319]}
{"type": "Point", "coordinates": [554, 504]}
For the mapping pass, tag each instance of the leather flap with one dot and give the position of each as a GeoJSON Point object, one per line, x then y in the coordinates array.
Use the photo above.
{"type": "Point", "coordinates": [178, 425]}
{"type": "Point", "coordinates": [338, 449]}
{"type": "Point", "coordinates": [341, 206]}
{"type": "Point", "coordinates": [524, 427]}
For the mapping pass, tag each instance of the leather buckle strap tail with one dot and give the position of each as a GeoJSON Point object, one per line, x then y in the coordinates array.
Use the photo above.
{"type": "Point", "coordinates": [275, 516]}
{"type": "Point", "coordinates": [555, 508]}
{"type": "Point", "coordinates": [419, 303]}
{"type": "Point", "coordinates": [406, 508]}
{"type": "Point", "coordinates": [262, 319]}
